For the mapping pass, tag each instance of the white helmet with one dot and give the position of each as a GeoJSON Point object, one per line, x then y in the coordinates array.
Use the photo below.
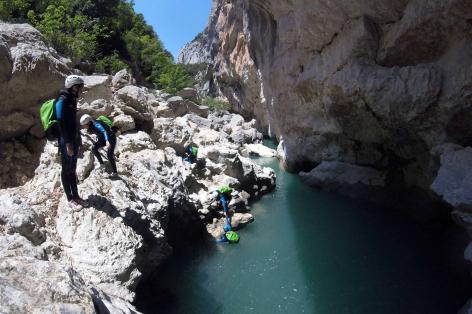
{"type": "Point", "coordinates": [73, 80]}
{"type": "Point", "coordinates": [85, 119]}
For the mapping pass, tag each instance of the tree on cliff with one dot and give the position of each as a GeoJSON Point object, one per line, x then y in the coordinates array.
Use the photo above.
{"type": "Point", "coordinates": [108, 33]}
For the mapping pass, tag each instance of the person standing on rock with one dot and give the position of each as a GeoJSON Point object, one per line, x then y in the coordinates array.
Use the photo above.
{"type": "Point", "coordinates": [223, 195]}
{"type": "Point", "coordinates": [105, 138]}
{"type": "Point", "coordinates": [70, 140]}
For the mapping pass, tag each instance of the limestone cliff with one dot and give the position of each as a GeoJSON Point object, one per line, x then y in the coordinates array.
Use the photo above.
{"type": "Point", "coordinates": [196, 51]}
{"type": "Point", "coordinates": [372, 83]}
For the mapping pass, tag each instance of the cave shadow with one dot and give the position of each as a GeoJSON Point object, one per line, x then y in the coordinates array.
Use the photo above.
{"type": "Point", "coordinates": [160, 292]}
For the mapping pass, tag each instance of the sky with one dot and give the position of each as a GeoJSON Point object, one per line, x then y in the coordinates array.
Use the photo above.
{"type": "Point", "coordinates": [176, 22]}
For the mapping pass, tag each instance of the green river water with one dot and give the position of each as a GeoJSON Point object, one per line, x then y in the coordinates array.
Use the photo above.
{"type": "Point", "coordinates": [312, 252]}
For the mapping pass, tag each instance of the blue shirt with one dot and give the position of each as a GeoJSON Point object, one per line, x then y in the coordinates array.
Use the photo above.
{"type": "Point", "coordinates": [100, 128]}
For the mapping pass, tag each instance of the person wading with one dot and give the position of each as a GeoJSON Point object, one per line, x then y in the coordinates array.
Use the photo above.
{"type": "Point", "coordinates": [69, 139]}
{"type": "Point", "coordinates": [105, 138]}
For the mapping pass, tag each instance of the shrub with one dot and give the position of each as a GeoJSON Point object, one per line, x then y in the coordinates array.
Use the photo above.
{"type": "Point", "coordinates": [215, 104]}
{"type": "Point", "coordinates": [110, 64]}
{"type": "Point", "coordinates": [109, 33]}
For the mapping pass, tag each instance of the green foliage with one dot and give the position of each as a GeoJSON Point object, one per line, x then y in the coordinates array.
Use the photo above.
{"type": "Point", "coordinates": [173, 79]}
{"type": "Point", "coordinates": [110, 64]}
{"type": "Point", "coordinates": [216, 104]}
{"type": "Point", "coordinates": [107, 32]}
{"type": "Point", "coordinates": [15, 10]}
{"type": "Point", "coordinates": [194, 69]}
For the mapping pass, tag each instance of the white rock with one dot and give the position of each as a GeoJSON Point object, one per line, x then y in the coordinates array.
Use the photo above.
{"type": "Point", "coordinates": [259, 150]}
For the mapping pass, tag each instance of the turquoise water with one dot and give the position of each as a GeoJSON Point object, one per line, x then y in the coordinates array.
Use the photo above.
{"type": "Point", "coordinates": [311, 252]}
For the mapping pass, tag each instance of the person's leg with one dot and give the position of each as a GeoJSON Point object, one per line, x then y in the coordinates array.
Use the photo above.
{"type": "Point", "coordinates": [98, 144]}
{"type": "Point", "coordinates": [228, 226]}
{"type": "Point", "coordinates": [65, 177]}
{"type": "Point", "coordinates": [73, 175]}
{"type": "Point", "coordinates": [111, 154]}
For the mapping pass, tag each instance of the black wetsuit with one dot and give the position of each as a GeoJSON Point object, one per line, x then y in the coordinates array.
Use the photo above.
{"type": "Point", "coordinates": [66, 114]}
{"type": "Point", "coordinates": [104, 134]}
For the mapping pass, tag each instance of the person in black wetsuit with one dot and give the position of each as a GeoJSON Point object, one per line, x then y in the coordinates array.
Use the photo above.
{"type": "Point", "coordinates": [69, 140]}
{"type": "Point", "coordinates": [105, 137]}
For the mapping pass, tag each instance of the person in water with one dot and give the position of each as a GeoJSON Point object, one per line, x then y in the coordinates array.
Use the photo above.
{"type": "Point", "coordinates": [69, 139]}
{"type": "Point", "coordinates": [105, 138]}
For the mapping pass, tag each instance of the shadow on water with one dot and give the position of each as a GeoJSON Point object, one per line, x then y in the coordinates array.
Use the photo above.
{"type": "Point", "coordinates": [364, 259]}
{"type": "Point", "coordinates": [164, 291]}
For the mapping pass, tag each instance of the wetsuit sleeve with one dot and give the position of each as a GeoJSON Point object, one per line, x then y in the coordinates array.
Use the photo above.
{"type": "Point", "coordinates": [102, 130]}
{"type": "Point", "coordinates": [59, 104]}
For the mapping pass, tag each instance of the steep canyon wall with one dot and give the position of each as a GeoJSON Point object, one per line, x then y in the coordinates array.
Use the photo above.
{"type": "Point", "coordinates": [380, 84]}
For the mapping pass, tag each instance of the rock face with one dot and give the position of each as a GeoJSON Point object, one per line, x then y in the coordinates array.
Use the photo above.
{"type": "Point", "coordinates": [57, 259]}
{"type": "Point", "coordinates": [454, 180]}
{"type": "Point", "coordinates": [30, 72]}
{"type": "Point", "coordinates": [336, 176]}
{"type": "Point", "coordinates": [357, 82]}
{"type": "Point", "coordinates": [197, 51]}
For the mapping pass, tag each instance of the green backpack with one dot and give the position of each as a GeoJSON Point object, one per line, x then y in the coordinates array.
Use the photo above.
{"type": "Point", "coordinates": [47, 112]}
{"type": "Point", "coordinates": [194, 151]}
{"type": "Point", "coordinates": [232, 237]}
{"type": "Point", "coordinates": [225, 190]}
{"type": "Point", "coordinates": [106, 120]}
{"type": "Point", "coordinates": [48, 119]}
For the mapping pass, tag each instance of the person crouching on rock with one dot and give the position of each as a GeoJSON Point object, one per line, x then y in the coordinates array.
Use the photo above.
{"type": "Point", "coordinates": [70, 140]}
{"type": "Point", "coordinates": [105, 138]}
{"type": "Point", "coordinates": [191, 153]}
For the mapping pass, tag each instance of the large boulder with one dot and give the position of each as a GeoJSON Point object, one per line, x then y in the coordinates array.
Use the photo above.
{"type": "Point", "coordinates": [35, 286]}
{"type": "Point", "coordinates": [175, 133]}
{"type": "Point", "coordinates": [454, 180]}
{"type": "Point", "coordinates": [181, 106]}
{"type": "Point", "coordinates": [96, 87]}
{"type": "Point", "coordinates": [137, 102]}
{"type": "Point", "coordinates": [189, 93]}
{"type": "Point", "coordinates": [258, 150]}
{"type": "Point", "coordinates": [177, 105]}
{"type": "Point", "coordinates": [124, 123]}
{"type": "Point", "coordinates": [96, 108]}
{"type": "Point", "coordinates": [17, 217]}
{"type": "Point", "coordinates": [345, 178]}
{"type": "Point", "coordinates": [121, 79]}
{"type": "Point", "coordinates": [30, 72]}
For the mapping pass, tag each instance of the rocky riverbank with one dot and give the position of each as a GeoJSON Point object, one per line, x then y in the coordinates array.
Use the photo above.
{"type": "Point", "coordinates": [55, 259]}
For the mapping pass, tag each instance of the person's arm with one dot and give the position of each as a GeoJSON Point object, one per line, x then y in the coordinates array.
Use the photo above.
{"type": "Point", "coordinates": [63, 113]}
{"type": "Point", "coordinates": [102, 130]}
{"type": "Point", "coordinates": [59, 114]}
{"type": "Point", "coordinates": [63, 116]}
